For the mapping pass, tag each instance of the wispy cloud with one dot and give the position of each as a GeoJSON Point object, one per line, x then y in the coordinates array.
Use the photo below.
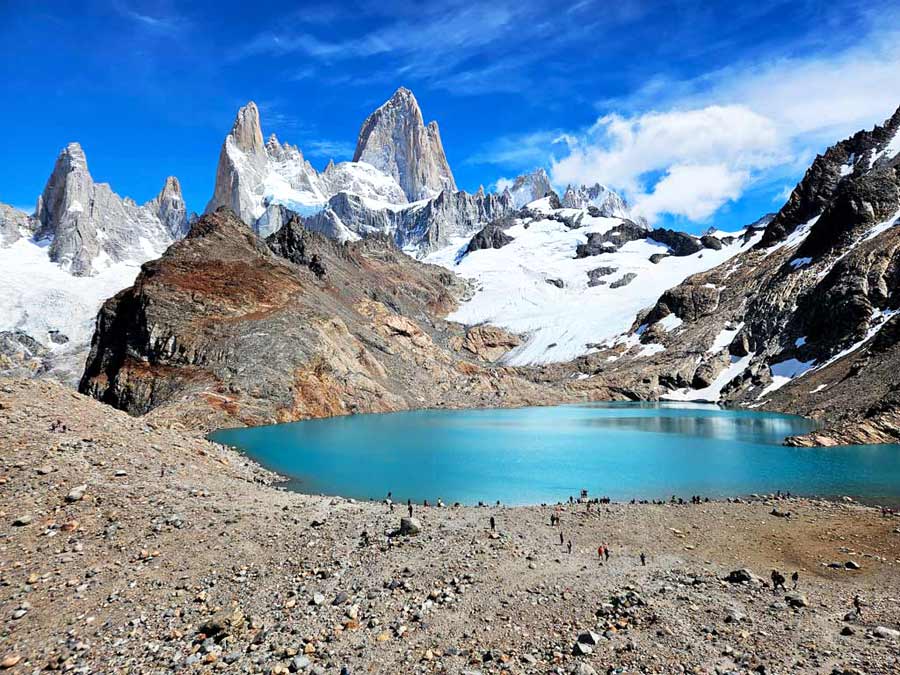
{"type": "Point", "coordinates": [688, 147]}
{"type": "Point", "coordinates": [163, 23]}
{"type": "Point", "coordinates": [463, 47]}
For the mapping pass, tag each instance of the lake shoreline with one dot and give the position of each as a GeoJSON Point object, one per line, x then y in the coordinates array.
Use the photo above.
{"type": "Point", "coordinates": [129, 546]}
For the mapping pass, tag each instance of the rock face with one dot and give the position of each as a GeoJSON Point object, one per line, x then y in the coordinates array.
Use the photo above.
{"type": "Point", "coordinates": [418, 228]}
{"type": "Point", "coordinates": [607, 202]}
{"type": "Point", "coordinates": [492, 235]}
{"type": "Point", "coordinates": [90, 225]}
{"type": "Point", "coordinates": [265, 183]}
{"type": "Point", "coordinates": [222, 330]}
{"type": "Point", "coordinates": [252, 176]}
{"type": "Point", "coordinates": [395, 140]}
{"type": "Point", "coordinates": [614, 238]}
{"type": "Point", "coordinates": [14, 224]}
{"type": "Point", "coordinates": [807, 321]}
{"type": "Point", "coordinates": [530, 187]}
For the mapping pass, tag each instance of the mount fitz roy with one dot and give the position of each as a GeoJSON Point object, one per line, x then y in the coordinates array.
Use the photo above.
{"type": "Point", "coordinates": [504, 299]}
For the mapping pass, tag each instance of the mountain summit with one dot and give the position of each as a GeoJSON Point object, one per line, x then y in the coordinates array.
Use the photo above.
{"type": "Point", "coordinates": [395, 140]}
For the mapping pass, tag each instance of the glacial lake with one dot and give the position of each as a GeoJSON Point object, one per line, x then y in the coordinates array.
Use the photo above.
{"type": "Point", "coordinates": [545, 454]}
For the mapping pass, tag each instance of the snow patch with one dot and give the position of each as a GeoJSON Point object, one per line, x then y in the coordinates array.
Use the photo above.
{"type": "Point", "coordinates": [560, 323]}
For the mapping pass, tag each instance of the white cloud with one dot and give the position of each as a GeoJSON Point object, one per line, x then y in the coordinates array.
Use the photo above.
{"type": "Point", "coordinates": [693, 191]}
{"type": "Point", "coordinates": [684, 162]}
{"type": "Point", "coordinates": [502, 184]}
{"type": "Point", "coordinates": [710, 138]}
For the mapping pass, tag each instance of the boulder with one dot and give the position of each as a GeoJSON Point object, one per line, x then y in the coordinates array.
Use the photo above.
{"type": "Point", "coordinates": [410, 526]}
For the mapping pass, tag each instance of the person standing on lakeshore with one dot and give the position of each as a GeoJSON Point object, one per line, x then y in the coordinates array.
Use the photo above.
{"type": "Point", "coordinates": [643, 559]}
{"type": "Point", "coordinates": [795, 577]}
{"type": "Point", "coordinates": [857, 605]}
{"type": "Point", "coordinates": [606, 552]}
{"type": "Point", "coordinates": [777, 580]}
{"type": "Point", "coordinates": [600, 552]}
{"type": "Point", "coordinates": [493, 524]}
{"type": "Point", "coordinates": [561, 539]}
{"type": "Point", "coordinates": [409, 507]}
{"type": "Point", "coordinates": [569, 546]}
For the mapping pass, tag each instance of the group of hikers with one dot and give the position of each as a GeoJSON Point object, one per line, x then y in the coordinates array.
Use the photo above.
{"type": "Point", "coordinates": [778, 580]}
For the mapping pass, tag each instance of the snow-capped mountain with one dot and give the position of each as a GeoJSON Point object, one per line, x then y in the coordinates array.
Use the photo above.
{"type": "Point", "coordinates": [395, 140]}
{"type": "Point", "coordinates": [529, 187]}
{"type": "Point", "coordinates": [607, 201]}
{"type": "Point", "coordinates": [570, 279]}
{"type": "Point", "coordinates": [397, 156]}
{"type": "Point", "coordinates": [84, 244]}
{"type": "Point", "coordinates": [256, 178]}
{"type": "Point", "coordinates": [805, 321]}
{"type": "Point", "coordinates": [88, 226]}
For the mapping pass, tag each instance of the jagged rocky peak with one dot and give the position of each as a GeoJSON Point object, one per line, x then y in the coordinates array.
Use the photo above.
{"type": "Point", "coordinates": [395, 140]}
{"type": "Point", "coordinates": [171, 209]}
{"type": "Point", "coordinates": [89, 225]}
{"type": "Point", "coordinates": [835, 178]}
{"type": "Point", "coordinates": [607, 201]}
{"type": "Point", "coordinates": [530, 187]}
{"type": "Point", "coordinates": [14, 224]}
{"type": "Point", "coordinates": [247, 132]}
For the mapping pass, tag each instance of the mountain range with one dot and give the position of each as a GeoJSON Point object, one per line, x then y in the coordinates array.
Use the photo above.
{"type": "Point", "coordinates": [377, 285]}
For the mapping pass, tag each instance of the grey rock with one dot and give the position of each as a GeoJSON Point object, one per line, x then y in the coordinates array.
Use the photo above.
{"type": "Point", "coordinates": [395, 140]}
{"type": "Point", "coordinates": [491, 235]}
{"type": "Point", "coordinates": [796, 600]}
{"type": "Point", "coordinates": [679, 243]}
{"type": "Point", "coordinates": [84, 220]}
{"type": "Point", "coordinates": [624, 280]}
{"type": "Point", "coordinates": [886, 633]}
{"type": "Point", "coordinates": [595, 275]}
{"type": "Point", "coordinates": [410, 525]}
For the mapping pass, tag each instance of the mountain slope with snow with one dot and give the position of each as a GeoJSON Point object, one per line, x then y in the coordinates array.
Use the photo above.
{"type": "Point", "coordinates": [83, 245]}
{"type": "Point", "coordinates": [805, 321]}
{"type": "Point", "coordinates": [566, 305]}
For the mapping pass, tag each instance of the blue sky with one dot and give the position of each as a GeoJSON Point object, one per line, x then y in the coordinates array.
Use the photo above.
{"type": "Point", "coordinates": [701, 113]}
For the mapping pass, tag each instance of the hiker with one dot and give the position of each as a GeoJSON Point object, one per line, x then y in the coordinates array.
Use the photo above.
{"type": "Point", "coordinates": [643, 559]}
{"type": "Point", "coordinates": [795, 577]}
{"type": "Point", "coordinates": [561, 540]}
{"type": "Point", "coordinates": [600, 552]}
{"type": "Point", "coordinates": [857, 604]}
{"type": "Point", "coordinates": [606, 553]}
{"type": "Point", "coordinates": [409, 507]}
{"type": "Point", "coordinates": [493, 524]}
{"type": "Point", "coordinates": [777, 580]}
{"type": "Point", "coordinates": [569, 546]}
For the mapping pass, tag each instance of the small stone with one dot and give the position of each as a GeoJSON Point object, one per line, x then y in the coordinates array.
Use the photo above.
{"type": "Point", "coordinates": [22, 521]}
{"type": "Point", "coordinates": [796, 600]}
{"type": "Point", "coordinates": [340, 598]}
{"type": "Point", "coordinates": [410, 526]}
{"type": "Point", "coordinates": [76, 494]}
{"type": "Point", "coordinates": [298, 663]}
{"type": "Point", "coordinates": [847, 630]}
{"type": "Point", "coordinates": [852, 565]}
{"type": "Point", "coordinates": [581, 649]}
{"type": "Point", "coordinates": [589, 638]}
{"type": "Point", "coordinates": [886, 633]}
{"type": "Point", "coordinates": [9, 661]}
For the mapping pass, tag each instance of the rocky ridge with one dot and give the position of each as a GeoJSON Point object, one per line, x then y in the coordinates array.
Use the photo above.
{"type": "Point", "coordinates": [227, 329]}
{"type": "Point", "coordinates": [805, 321]}
{"type": "Point", "coordinates": [89, 225]}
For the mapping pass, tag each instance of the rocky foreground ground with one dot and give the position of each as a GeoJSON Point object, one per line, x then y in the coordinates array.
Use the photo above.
{"type": "Point", "coordinates": [126, 547]}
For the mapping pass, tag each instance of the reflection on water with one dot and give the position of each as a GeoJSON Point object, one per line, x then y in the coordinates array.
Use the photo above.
{"type": "Point", "coordinates": [534, 455]}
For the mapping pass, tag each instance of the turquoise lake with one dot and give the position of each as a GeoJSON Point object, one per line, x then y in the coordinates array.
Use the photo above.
{"type": "Point", "coordinates": [544, 455]}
